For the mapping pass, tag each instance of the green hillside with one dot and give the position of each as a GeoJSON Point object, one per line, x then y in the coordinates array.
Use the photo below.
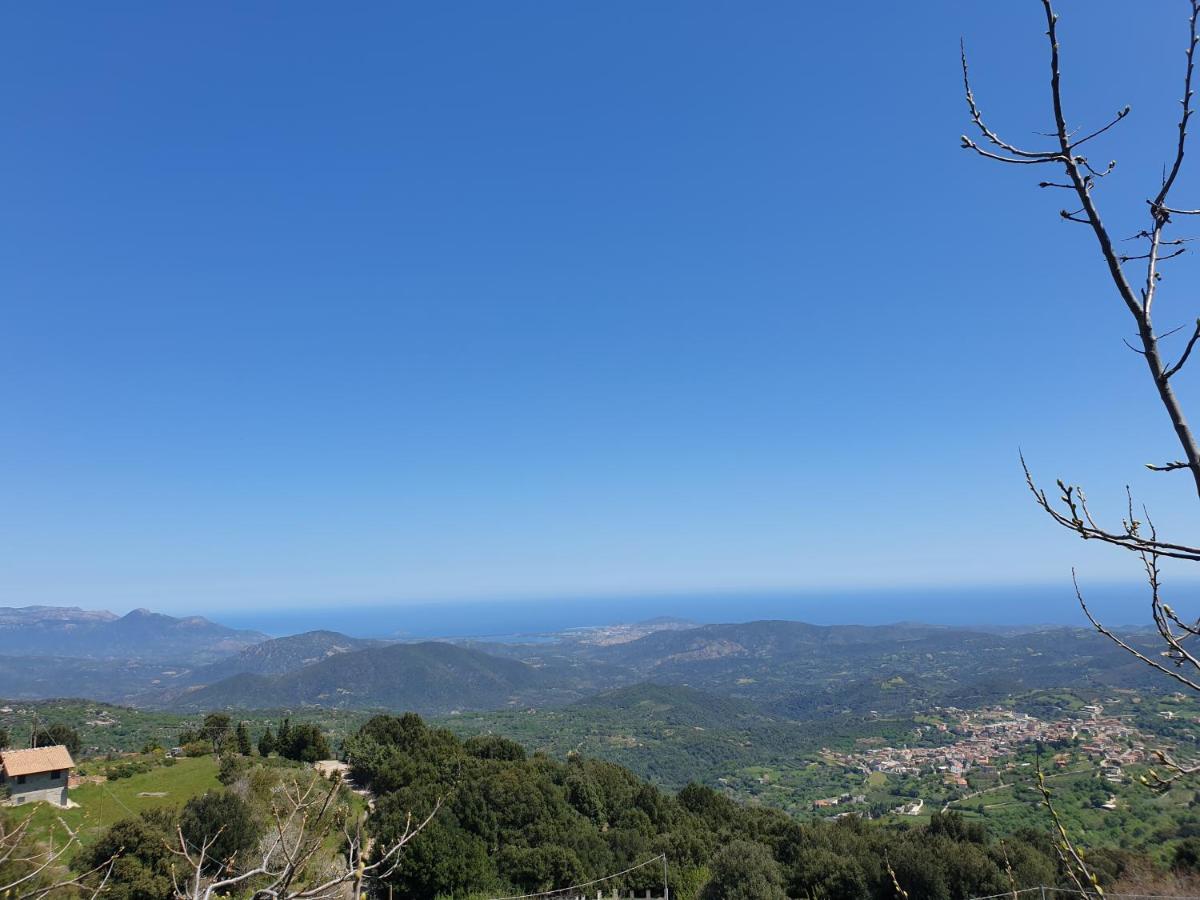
{"type": "Point", "coordinates": [101, 805]}
{"type": "Point", "coordinates": [674, 735]}
{"type": "Point", "coordinates": [427, 677]}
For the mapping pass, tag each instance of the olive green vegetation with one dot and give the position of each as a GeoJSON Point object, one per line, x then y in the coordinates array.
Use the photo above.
{"type": "Point", "coordinates": [672, 735]}
{"type": "Point", "coordinates": [134, 786]}
{"type": "Point", "coordinates": [1135, 817]}
{"type": "Point", "coordinates": [56, 734]}
{"type": "Point", "coordinates": [745, 870]}
{"type": "Point", "coordinates": [145, 801]}
{"type": "Point", "coordinates": [230, 821]}
{"type": "Point", "coordinates": [511, 823]}
{"type": "Point", "coordinates": [224, 821]}
{"type": "Point", "coordinates": [116, 787]}
{"type": "Point", "coordinates": [106, 728]}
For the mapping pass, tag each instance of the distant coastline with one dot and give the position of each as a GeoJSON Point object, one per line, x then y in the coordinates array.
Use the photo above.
{"type": "Point", "coordinates": [526, 620]}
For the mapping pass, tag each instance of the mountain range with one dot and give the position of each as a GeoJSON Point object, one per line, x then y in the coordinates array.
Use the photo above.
{"type": "Point", "coordinates": [788, 670]}
{"type": "Point", "coordinates": [274, 656]}
{"type": "Point", "coordinates": [140, 635]}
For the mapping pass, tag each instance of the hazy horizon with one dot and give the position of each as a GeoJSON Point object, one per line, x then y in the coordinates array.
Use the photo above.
{"type": "Point", "coordinates": [1117, 604]}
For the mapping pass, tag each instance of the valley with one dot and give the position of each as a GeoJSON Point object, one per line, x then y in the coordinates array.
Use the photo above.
{"type": "Point", "coordinates": [885, 722]}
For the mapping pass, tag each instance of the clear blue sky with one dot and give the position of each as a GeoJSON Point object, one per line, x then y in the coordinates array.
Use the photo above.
{"type": "Point", "coordinates": [522, 299]}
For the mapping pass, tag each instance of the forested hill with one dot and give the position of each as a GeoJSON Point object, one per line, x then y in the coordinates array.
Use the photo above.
{"type": "Point", "coordinates": [512, 824]}
{"type": "Point", "coordinates": [676, 706]}
{"type": "Point", "coordinates": [669, 734]}
{"type": "Point", "coordinates": [428, 678]}
{"type": "Point", "coordinates": [801, 670]}
{"type": "Point", "coordinates": [673, 734]}
{"type": "Point", "coordinates": [275, 657]}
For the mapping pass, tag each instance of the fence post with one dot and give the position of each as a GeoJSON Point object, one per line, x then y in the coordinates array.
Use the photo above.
{"type": "Point", "coordinates": [1043, 890]}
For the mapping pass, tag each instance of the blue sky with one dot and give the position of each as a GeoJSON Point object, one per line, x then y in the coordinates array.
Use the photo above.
{"type": "Point", "coordinates": [528, 299]}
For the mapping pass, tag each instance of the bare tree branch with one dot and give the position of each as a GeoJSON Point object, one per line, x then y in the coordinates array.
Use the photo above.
{"type": "Point", "coordinates": [1099, 131]}
{"type": "Point", "coordinates": [988, 133]}
{"type": "Point", "coordinates": [1169, 467]}
{"type": "Point", "coordinates": [41, 879]}
{"type": "Point", "coordinates": [1187, 351]}
{"type": "Point", "coordinates": [1070, 509]}
{"type": "Point", "coordinates": [1133, 651]}
{"type": "Point", "coordinates": [287, 866]}
{"type": "Point", "coordinates": [1081, 177]}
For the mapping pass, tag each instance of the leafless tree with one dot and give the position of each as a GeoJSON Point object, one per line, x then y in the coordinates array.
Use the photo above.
{"type": "Point", "coordinates": [1136, 278]}
{"type": "Point", "coordinates": [31, 869]}
{"type": "Point", "coordinates": [291, 861]}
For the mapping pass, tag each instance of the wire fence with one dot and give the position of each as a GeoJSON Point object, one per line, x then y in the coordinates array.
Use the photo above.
{"type": "Point", "coordinates": [583, 891]}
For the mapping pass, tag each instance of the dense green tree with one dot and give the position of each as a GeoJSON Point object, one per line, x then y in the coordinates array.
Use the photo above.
{"type": "Point", "coordinates": [1030, 857]}
{"type": "Point", "coordinates": [241, 736]}
{"type": "Point", "coordinates": [540, 868]}
{"type": "Point", "coordinates": [706, 803]}
{"type": "Point", "coordinates": [3, 738]}
{"type": "Point", "coordinates": [223, 818]}
{"type": "Point", "coordinates": [584, 794]}
{"type": "Point", "coordinates": [516, 824]}
{"type": "Point", "coordinates": [188, 736]}
{"type": "Point", "coordinates": [492, 746]}
{"type": "Point", "coordinates": [216, 730]}
{"type": "Point", "coordinates": [305, 743]}
{"type": "Point", "coordinates": [1187, 855]}
{"type": "Point", "coordinates": [241, 739]}
{"type": "Point", "coordinates": [952, 825]}
{"type": "Point", "coordinates": [142, 870]}
{"type": "Point", "coordinates": [55, 734]}
{"type": "Point", "coordinates": [266, 743]}
{"type": "Point", "coordinates": [443, 860]}
{"type": "Point", "coordinates": [743, 870]}
{"type": "Point", "coordinates": [820, 872]}
{"type": "Point", "coordinates": [968, 870]}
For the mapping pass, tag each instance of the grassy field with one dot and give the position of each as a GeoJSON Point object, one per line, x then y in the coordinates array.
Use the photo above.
{"type": "Point", "coordinates": [100, 805]}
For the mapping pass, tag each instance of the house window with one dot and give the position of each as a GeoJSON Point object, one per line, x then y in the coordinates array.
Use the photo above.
{"type": "Point", "coordinates": [20, 779]}
{"type": "Point", "coordinates": [57, 773]}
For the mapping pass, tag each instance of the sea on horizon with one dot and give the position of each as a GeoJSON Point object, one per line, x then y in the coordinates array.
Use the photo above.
{"type": "Point", "coordinates": [513, 620]}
